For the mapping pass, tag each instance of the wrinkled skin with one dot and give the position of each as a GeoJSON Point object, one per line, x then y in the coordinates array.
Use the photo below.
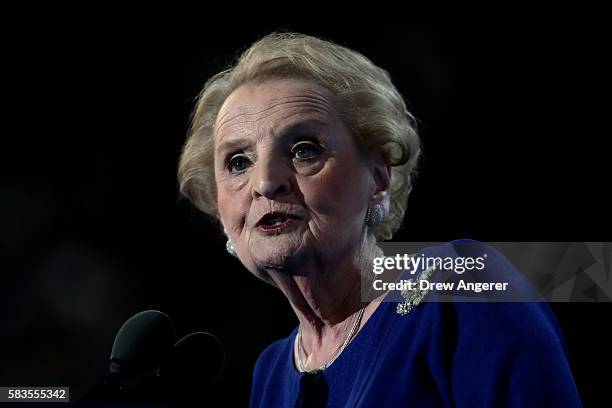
{"type": "Point", "coordinates": [280, 145]}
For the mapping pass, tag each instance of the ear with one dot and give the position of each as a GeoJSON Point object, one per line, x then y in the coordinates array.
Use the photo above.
{"type": "Point", "coordinates": [381, 172]}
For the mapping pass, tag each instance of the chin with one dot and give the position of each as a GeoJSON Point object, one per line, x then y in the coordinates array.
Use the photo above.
{"type": "Point", "coordinates": [277, 259]}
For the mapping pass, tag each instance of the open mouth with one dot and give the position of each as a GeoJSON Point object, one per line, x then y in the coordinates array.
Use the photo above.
{"type": "Point", "coordinates": [275, 221]}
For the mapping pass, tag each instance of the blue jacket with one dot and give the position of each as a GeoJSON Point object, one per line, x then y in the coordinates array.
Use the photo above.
{"type": "Point", "coordinates": [440, 354]}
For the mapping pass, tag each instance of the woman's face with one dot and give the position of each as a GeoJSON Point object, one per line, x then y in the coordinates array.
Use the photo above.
{"type": "Point", "coordinates": [292, 186]}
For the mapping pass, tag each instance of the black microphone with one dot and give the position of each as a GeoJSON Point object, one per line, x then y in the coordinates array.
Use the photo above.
{"type": "Point", "coordinates": [195, 362]}
{"type": "Point", "coordinates": [142, 343]}
{"type": "Point", "coordinates": [146, 366]}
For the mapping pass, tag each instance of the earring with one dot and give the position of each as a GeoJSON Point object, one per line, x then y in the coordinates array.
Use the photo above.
{"type": "Point", "coordinates": [375, 215]}
{"type": "Point", "coordinates": [229, 247]}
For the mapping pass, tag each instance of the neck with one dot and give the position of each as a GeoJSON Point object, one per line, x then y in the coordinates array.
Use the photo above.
{"type": "Point", "coordinates": [326, 298]}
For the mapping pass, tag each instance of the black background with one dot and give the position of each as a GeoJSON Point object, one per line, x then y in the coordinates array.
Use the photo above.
{"type": "Point", "coordinates": [512, 111]}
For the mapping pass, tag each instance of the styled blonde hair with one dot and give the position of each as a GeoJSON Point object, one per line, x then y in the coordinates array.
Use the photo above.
{"type": "Point", "coordinates": [364, 95]}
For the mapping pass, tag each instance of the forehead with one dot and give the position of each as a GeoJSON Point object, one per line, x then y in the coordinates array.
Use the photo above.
{"type": "Point", "coordinates": [273, 103]}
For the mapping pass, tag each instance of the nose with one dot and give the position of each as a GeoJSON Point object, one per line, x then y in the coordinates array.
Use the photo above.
{"type": "Point", "coordinates": [270, 178]}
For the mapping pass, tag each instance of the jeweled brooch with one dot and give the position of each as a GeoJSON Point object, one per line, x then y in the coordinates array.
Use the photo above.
{"type": "Point", "coordinates": [414, 297]}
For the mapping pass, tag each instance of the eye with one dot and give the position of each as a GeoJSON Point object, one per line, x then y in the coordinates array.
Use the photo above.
{"type": "Point", "coordinates": [305, 150]}
{"type": "Point", "coordinates": [238, 164]}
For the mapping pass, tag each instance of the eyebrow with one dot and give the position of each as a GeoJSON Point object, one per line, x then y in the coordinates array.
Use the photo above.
{"type": "Point", "coordinates": [302, 126]}
{"type": "Point", "coordinates": [232, 145]}
{"type": "Point", "coordinates": [297, 128]}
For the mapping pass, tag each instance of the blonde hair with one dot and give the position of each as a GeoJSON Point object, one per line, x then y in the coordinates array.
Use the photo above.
{"type": "Point", "coordinates": [367, 100]}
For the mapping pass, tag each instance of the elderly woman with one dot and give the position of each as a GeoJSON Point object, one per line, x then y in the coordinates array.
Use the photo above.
{"type": "Point", "coordinates": [304, 152]}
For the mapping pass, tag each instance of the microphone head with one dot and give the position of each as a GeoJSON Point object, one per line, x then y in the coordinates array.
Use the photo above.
{"type": "Point", "coordinates": [196, 362]}
{"type": "Point", "coordinates": [141, 344]}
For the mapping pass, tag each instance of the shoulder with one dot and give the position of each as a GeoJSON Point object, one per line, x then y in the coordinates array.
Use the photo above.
{"type": "Point", "coordinates": [508, 324]}
{"type": "Point", "coordinates": [511, 353]}
{"type": "Point", "coordinates": [271, 375]}
{"type": "Point", "coordinates": [517, 317]}
{"type": "Point", "coordinates": [493, 328]}
{"type": "Point", "coordinates": [275, 358]}
{"type": "Point", "coordinates": [275, 353]}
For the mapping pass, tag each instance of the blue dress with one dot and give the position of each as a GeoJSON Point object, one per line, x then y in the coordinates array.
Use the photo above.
{"type": "Point", "coordinates": [440, 354]}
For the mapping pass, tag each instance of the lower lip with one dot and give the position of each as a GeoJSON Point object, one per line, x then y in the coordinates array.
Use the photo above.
{"type": "Point", "coordinates": [275, 229]}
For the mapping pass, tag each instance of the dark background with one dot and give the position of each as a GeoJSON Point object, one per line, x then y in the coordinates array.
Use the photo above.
{"type": "Point", "coordinates": [512, 112]}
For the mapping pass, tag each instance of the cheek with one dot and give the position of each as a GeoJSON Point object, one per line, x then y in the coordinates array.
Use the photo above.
{"type": "Point", "coordinates": [339, 191]}
{"type": "Point", "coordinates": [231, 209]}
